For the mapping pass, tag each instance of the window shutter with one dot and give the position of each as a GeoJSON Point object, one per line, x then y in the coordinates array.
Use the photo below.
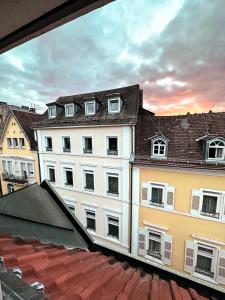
{"type": "Point", "coordinates": [142, 241]}
{"type": "Point", "coordinates": [170, 197]}
{"type": "Point", "coordinates": [218, 206]}
{"type": "Point", "coordinates": [144, 194]}
{"type": "Point", "coordinates": [223, 211]}
{"type": "Point", "coordinates": [189, 257]}
{"type": "Point", "coordinates": [196, 202]}
{"type": "Point", "coordinates": [167, 249]}
{"type": "Point", "coordinates": [221, 267]}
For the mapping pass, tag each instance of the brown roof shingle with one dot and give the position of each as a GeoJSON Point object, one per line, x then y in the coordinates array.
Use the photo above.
{"type": "Point", "coordinates": [182, 131]}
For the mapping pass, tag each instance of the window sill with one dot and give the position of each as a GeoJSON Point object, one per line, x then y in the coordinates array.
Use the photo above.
{"type": "Point", "coordinates": [113, 239]}
{"type": "Point", "coordinates": [89, 191]}
{"type": "Point", "coordinates": [113, 195]}
{"type": "Point", "coordinates": [199, 216]}
{"type": "Point", "coordinates": [203, 277]}
{"type": "Point", "coordinates": [156, 260]}
{"type": "Point", "coordinates": [157, 207]}
{"type": "Point", "coordinates": [69, 186]}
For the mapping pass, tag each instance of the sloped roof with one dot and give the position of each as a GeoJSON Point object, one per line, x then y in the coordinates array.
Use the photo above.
{"type": "Point", "coordinates": [84, 275]}
{"type": "Point", "coordinates": [130, 96]}
{"type": "Point", "coordinates": [38, 212]}
{"type": "Point", "coordinates": [25, 119]}
{"type": "Point", "coordinates": [183, 133]}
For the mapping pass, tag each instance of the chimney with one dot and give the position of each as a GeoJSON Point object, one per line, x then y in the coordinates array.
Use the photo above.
{"type": "Point", "coordinates": [25, 107]}
{"type": "Point", "coordinates": [32, 109]}
{"type": "Point", "coordinates": [141, 98]}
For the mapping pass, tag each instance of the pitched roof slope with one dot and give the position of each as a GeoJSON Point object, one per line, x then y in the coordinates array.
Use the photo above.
{"type": "Point", "coordinates": [182, 131]}
{"type": "Point", "coordinates": [130, 96]}
{"type": "Point", "coordinates": [40, 213]}
{"type": "Point", "coordinates": [84, 275]}
{"type": "Point", "coordinates": [25, 119]}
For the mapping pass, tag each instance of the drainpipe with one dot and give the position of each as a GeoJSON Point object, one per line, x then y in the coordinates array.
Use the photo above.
{"type": "Point", "coordinates": [131, 186]}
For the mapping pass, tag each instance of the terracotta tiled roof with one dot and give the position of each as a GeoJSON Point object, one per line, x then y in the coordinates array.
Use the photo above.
{"type": "Point", "coordinates": [131, 96]}
{"type": "Point", "coordinates": [25, 119]}
{"type": "Point", "coordinates": [182, 131]}
{"type": "Point", "coordinates": [78, 274]}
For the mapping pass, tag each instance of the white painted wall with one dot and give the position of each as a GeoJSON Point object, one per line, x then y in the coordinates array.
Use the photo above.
{"type": "Point", "coordinates": [98, 162]}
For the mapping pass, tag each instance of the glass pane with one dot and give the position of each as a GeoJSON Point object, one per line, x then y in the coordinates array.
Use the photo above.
{"type": "Point", "coordinates": [113, 230]}
{"type": "Point", "coordinates": [69, 177]}
{"type": "Point", "coordinates": [219, 153]}
{"type": "Point", "coordinates": [113, 185]}
{"type": "Point", "coordinates": [90, 108]}
{"type": "Point", "coordinates": [114, 105]}
{"type": "Point", "coordinates": [204, 263]}
{"type": "Point", "coordinates": [51, 174]}
{"type": "Point", "coordinates": [212, 152]}
{"type": "Point", "coordinates": [90, 223]}
{"type": "Point", "coordinates": [112, 143]}
{"type": "Point", "coordinates": [89, 181]}
{"type": "Point", "coordinates": [154, 246]}
{"type": "Point", "coordinates": [156, 195]}
{"type": "Point", "coordinates": [209, 204]}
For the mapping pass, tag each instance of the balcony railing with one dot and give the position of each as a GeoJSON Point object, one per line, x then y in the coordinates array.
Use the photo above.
{"type": "Point", "coordinates": [48, 148]}
{"type": "Point", "coordinates": [86, 150]}
{"type": "Point", "coordinates": [159, 204]}
{"type": "Point", "coordinates": [154, 254]}
{"type": "Point", "coordinates": [14, 178]}
{"type": "Point", "coordinates": [66, 149]}
{"type": "Point", "coordinates": [204, 272]}
{"type": "Point", "coordinates": [112, 152]}
{"type": "Point", "coordinates": [210, 214]}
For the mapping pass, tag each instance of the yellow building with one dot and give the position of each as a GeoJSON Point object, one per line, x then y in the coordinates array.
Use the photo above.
{"type": "Point", "coordinates": [19, 158]}
{"type": "Point", "coordinates": [179, 195]}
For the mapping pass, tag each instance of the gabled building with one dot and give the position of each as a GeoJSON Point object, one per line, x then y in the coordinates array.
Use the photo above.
{"type": "Point", "coordinates": [179, 195]}
{"type": "Point", "coordinates": [84, 145]}
{"type": "Point", "coordinates": [19, 160]}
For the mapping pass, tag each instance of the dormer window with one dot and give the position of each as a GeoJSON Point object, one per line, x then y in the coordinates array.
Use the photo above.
{"type": "Point", "coordinates": [159, 148]}
{"type": "Point", "coordinates": [90, 108]}
{"type": "Point", "coordinates": [216, 150]}
{"type": "Point", "coordinates": [69, 110]}
{"type": "Point", "coordinates": [52, 112]}
{"type": "Point", "coordinates": [114, 105]}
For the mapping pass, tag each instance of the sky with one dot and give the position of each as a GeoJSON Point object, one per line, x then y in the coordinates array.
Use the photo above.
{"type": "Point", "coordinates": [175, 50]}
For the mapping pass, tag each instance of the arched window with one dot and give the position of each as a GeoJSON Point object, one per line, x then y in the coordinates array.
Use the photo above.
{"type": "Point", "coordinates": [216, 150]}
{"type": "Point", "coordinates": [159, 148]}
{"type": "Point", "coordinates": [10, 188]}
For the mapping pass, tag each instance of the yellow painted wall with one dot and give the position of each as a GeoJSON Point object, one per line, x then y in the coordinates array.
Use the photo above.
{"type": "Point", "coordinates": [182, 226]}
{"type": "Point", "coordinates": [13, 130]}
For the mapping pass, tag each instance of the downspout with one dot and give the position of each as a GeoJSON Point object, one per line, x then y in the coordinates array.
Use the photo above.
{"type": "Point", "coordinates": [131, 186]}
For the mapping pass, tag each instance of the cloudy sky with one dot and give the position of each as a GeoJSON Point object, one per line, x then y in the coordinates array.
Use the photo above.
{"type": "Point", "coordinates": [175, 50]}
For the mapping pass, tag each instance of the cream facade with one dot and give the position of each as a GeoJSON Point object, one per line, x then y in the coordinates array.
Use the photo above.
{"type": "Point", "coordinates": [19, 162]}
{"type": "Point", "coordinates": [92, 179]}
{"type": "Point", "coordinates": [179, 233]}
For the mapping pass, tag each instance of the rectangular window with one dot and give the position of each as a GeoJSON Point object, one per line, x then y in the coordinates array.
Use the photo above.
{"type": "Point", "coordinates": [114, 106]}
{"type": "Point", "coordinates": [89, 180]}
{"type": "Point", "coordinates": [90, 220]}
{"type": "Point", "coordinates": [113, 227]}
{"type": "Point", "coordinates": [48, 143]}
{"type": "Point", "coordinates": [66, 144]}
{"type": "Point", "coordinates": [51, 174]}
{"type": "Point", "coordinates": [15, 142]}
{"type": "Point", "coordinates": [52, 112]}
{"type": "Point", "coordinates": [71, 208]}
{"type": "Point", "coordinates": [209, 206]}
{"type": "Point", "coordinates": [9, 142]}
{"type": "Point", "coordinates": [113, 184]}
{"type": "Point", "coordinates": [112, 146]}
{"type": "Point", "coordinates": [154, 244]}
{"type": "Point", "coordinates": [24, 170]}
{"type": "Point", "coordinates": [30, 169]}
{"type": "Point", "coordinates": [69, 110]}
{"type": "Point", "coordinates": [4, 167]}
{"type": "Point", "coordinates": [90, 108]}
{"type": "Point", "coordinates": [22, 143]}
{"type": "Point", "coordinates": [156, 196]}
{"type": "Point", "coordinates": [68, 176]}
{"type": "Point", "coordinates": [87, 145]}
{"type": "Point", "coordinates": [10, 170]}
{"type": "Point", "coordinates": [204, 260]}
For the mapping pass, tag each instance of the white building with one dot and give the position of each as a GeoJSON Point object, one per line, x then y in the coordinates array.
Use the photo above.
{"type": "Point", "coordinates": [85, 144]}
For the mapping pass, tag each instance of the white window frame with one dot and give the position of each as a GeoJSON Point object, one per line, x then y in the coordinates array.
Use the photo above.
{"type": "Point", "coordinates": [28, 171]}
{"type": "Point", "coordinates": [86, 108]}
{"type": "Point", "coordinates": [70, 203]}
{"type": "Point", "coordinates": [214, 260]}
{"type": "Point", "coordinates": [91, 209]}
{"type": "Point", "coordinates": [63, 144]}
{"type": "Point", "coordinates": [66, 109]}
{"type": "Point", "coordinates": [20, 143]}
{"type": "Point", "coordinates": [158, 155]}
{"type": "Point", "coordinates": [158, 186]}
{"type": "Point", "coordinates": [47, 169]}
{"type": "Point", "coordinates": [11, 141]}
{"type": "Point", "coordinates": [88, 171]}
{"type": "Point", "coordinates": [46, 138]}
{"type": "Point", "coordinates": [110, 111]}
{"type": "Point", "coordinates": [116, 175]}
{"type": "Point", "coordinates": [83, 145]}
{"type": "Point", "coordinates": [111, 213]}
{"type": "Point", "coordinates": [161, 233]}
{"type": "Point", "coordinates": [216, 147]}
{"type": "Point", "coordinates": [219, 203]}
{"type": "Point", "coordinates": [17, 140]}
{"type": "Point", "coordinates": [107, 145]}
{"type": "Point", "coordinates": [50, 115]}
{"type": "Point", "coordinates": [67, 168]}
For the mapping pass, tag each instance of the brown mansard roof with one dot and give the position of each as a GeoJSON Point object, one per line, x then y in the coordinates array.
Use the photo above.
{"type": "Point", "coordinates": [131, 99]}
{"type": "Point", "coordinates": [185, 135]}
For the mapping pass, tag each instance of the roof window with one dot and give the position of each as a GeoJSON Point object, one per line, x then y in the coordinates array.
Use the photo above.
{"type": "Point", "coordinates": [90, 108]}
{"type": "Point", "coordinates": [114, 105]}
{"type": "Point", "coordinates": [52, 112]}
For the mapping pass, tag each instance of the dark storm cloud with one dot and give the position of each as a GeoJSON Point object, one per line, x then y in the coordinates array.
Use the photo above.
{"type": "Point", "coordinates": [181, 67]}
